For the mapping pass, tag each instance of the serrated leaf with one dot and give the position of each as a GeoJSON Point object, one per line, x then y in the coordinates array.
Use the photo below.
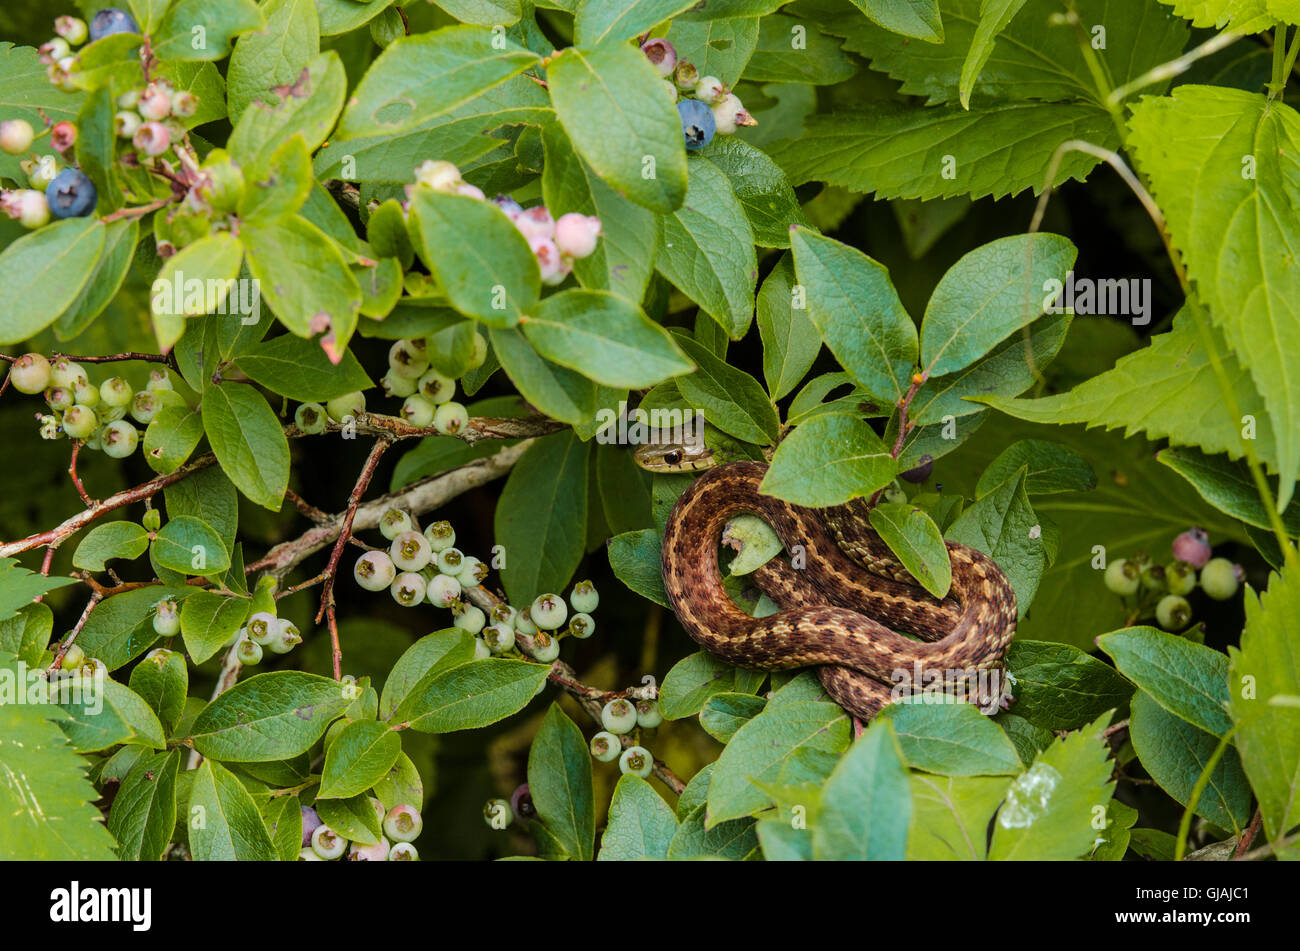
{"type": "Point", "coordinates": [916, 18]}
{"type": "Point", "coordinates": [950, 816]}
{"type": "Point", "coordinates": [994, 17]}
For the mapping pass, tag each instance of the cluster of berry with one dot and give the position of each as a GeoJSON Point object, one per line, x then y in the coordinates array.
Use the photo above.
{"type": "Point", "coordinates": [264, 631]}
{"type": "Point", "coordinates": [711, 107]}
{"type": "Point", "coordinates": [427, 394]}
{"type": "Point", "coordinates": [72, 32]}
{"type": "Point", "coordinates": [426, 567]}
{"type": "Point", "coordinates": [1167, 586]}
{"type": "Point", "coordinates": [96, 415]}
{"type": "Point", "coordinates": [151, 117]}
{"type": "Point", "coordinates": [56, 191]}
{"type": "Point", "coordinates": [622, 716]}
{"type": "Point", "coordinates": [402, 825]}
{"type": "Point", "coordinates": [556, 243]}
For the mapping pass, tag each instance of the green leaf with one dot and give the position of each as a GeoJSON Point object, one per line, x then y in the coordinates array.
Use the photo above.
{"type": "Point", "coordinates": [220, 20]}
{"type": "Point", "coordinates": [305, 279]}
{"type": "Point", "coordinates": [761, 748]}
{"type": "Point", "coordinates": [401, 786]}
{"type": "Point", "coordinates": [1229, 487]}
{"type": "Point", "coordinates": [951, 739]}
{"type": "Point", "coordinates": [419, 78]}
{"type": "Point", "coordinates": [1175, 753]}
{"type": "Point", "coordinates": [641, 826]}
{"type": "Point", "coordinates": [210, 496]}
{"type": "Point", "coordinates": [1004, 525]}
{"type": "Point", "coordinates": [819, 60]}
{"type": "Point", "coordinates": [697, 677]}
{"type": "Point", "coordinates": [106, 714]}
{"type": "Point", "coordinates": [605, 337]}
{"type": "Point", "coordinates": [473, 695]}
{"type": "Point", "coordinates": [143, 815]}
{"type": "Point", "coordinates": [190, 546]}
{"type": "Point", "coordinates": [248, 442]}
{"type": "Point", "coordinates": [997, 148]}
{"type": "Point", "coordinates": [759, 185]}
{"type": "Point", "coordinates": [421, 662]}
{"type": "Point", "coordinates": [308, 107]}
{"type": "Point", "coordinates": [273, 56]}
{"type": "Point", "coordinates": [281, 184]}
{"type": "Point", "coordinates": [706, 247]}
{"type": "Point", "coordinates": [559, 780]}
{"type": "Point", "coordinates": [854, 306]}
{"type": "Point", "coordinates": [720, 47]}
{"type": "Point", "coordinates": [172, 437]}
{"type": "Point", "coordinates": [912, 535]}
{"type": "Point", "coordinates": [113, 540]}
{"type": "Point", "coordinates": [360, 756]}
{"type": "Point", "coordinates": [224, 824]}
{"type": "Point", "coordinates": [209, 621]}
{"type": "Point", "coordinates": [596, 22]}
{"type": "Point", "coordinates": [1049, 808]}
{"type": "Point", "coordinates": [25, 634]}
{"type": "Point", "coordinates": [19, 586]}
{"type": "Point", "coordinates": [120, 240]}
{"type": "Point", "coordinates": [46, 802]}
{"type": "Point", "coordinates": [1188, 679]}
{"type": "Point", "coordinates": [283, 818]}
{"type": "Point", "coordinates": [42, 274]}
{"type": "Point", "coordinates": [120, 628]}
{"type": "Point", "coordinates": [725, 713]}
{"type": "Point", "coordinates": [634, 558]}
{"type": "Point", "coordinates": [481, 260]}
{"type": "Point", "coordinates": [558, 392]}
{"type": "Point", "coordinates": [1239, 16]}
{"type": "Point", "coordinates": [1059, 687]}
{"type": "Point", "coordinates": [994, 17]}
{"type": "Point", "coordinates": [991, 292]}
{"type": "Point", "coordinates": [300, 369]}
{"type": "Point", "coordinates": [355, 819]}
{"type": "Point", "coordinates": [162, 680]}
{"type": "Point", "coordinates": [541, 518]}
{"type": "Point", "coordinates": [639, 128]}
{"type": "Point", "coordinates": [269, 716]}
{"type": "Point", "coordinates": [790, 339]}
{"type": "Point", "coordinates": [1262, 672]}
{"type": "Point", "coordinates": [829, 460]}
{"type": "Point", "coordinates": [917, 18]}
{"type": "Point", "coordinates": [731, 399]}
{"type": "Point", "coordinates": [1221, 165]}
{"type": "Point", "coordinates": [194, 281]}
{"type": "Point", "coordinates": [950, 816]}
{"type": "Point", "coordinates": [866, 803]}
{"type": "Point", "coordinates": [1049, 468]}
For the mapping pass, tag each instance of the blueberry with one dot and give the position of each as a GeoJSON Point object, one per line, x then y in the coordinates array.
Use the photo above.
{"type": "Point", "coordinates": [71, 194]}
{"type": "Point", "coordinates": [618, 716]}
{"type": "Point", "coordinates": [698, 124]}
{"type": "Point", "coordinates": [111, 20]}
{"type": "Point", "coordinates": [1220, 578]}
{"type": "Point", "coordinates": [921, 472]}
{"type": "Point", "coordinates": [402, 823]}
{"type": "Point", "coordinates": [1123, 577]}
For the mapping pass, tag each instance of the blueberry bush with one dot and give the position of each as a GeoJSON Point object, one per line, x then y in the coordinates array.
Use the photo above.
{"type": "Point", "coordinates": [331, 328]}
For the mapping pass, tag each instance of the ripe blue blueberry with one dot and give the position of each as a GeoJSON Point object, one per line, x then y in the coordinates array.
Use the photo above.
{"type": "Point", "coordinates": [310, 823]}
{"type": "Point", "coordinates": [698, 124]}
{"type": "Point", "coordinates": [71, 194]}
{"type": "Point", "coordinates": [111, 20]}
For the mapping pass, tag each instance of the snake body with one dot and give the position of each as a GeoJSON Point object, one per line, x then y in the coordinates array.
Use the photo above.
{"type": "Point", "coordinates": [843, 609]}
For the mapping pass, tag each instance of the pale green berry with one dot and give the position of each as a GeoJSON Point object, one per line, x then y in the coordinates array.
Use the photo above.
{"type": "Point", "coordinates": [502, 613]}
{"type": "Point", "coordinates": [582, 626]}
{"type": "Point", "coordinates": [479, 356]}
{"type": "Point", "coordinates": [648, 714]}
{"type": "Point", "coordinates": [406, 358]}
{"type": "Point", "coordinates": [546, 646]}
{"type": "Point", "coordinates": [1153, 578]}
{"type": "Point", "coordinates": [583, 597]}
{"type": "Point", "coordinates": [472, 571]}
{"type": "Point", "coordinates": [30, 374]}
{"type": "Point", "coordinates": [349, 404]}
{"type": "Point", "coordinates": [443, 590]}
{"type": "Point", "coordinates": [309, 855]}
{"type": "Point", "coordinates": [310, 418]}
{"type": "Point", "coordinates": [410, 551]}
{"type": "Point", "coordinates": [73, 658]}
{"type": "Point", "coordinates": [167, 618]}
{"type": "Point", "coordinates": [408, 589]}
{"type": "Point", "coordinates": [403, 823]}
{"type": "Point", "coordinates": [287, 637]}
{"type": "Point", "coordinates": [524, 622]}
{"type": "Point", "coordinates": [440, 535]}
{"type": "Point", "coordinates": [403, 852]}
{"type": "Point", "coordinates": [327, 843]}
{"type": "Point", "coordinates": [1221, 579]}
{"type": "Point", "coordinates": [116, 392]}
{"type": "Point", "coordinates": [636, 761]}
{"type": "Point", "coordinates": [394, 522]}
{"type": "Point", "coordinates": [418, 411]}
{"type": "Point", "coordinates": [451, 419]}
{"type": "Point", "coordinates": [158, 381]}
{"type": "Point", "coordinates": [469, 618]}
{"type": "Point", "coordinates": [606, 747]}
{"type": "Point", "coordinates": [481, 650]}
{"type": "Point", "coordinates": [449, 561]}
{"type": "Point", "coordinates": [145, 407]}
{"type": "Point", "coordinates": [1181, 578]}
{"type": "Point", "coordinates": [395, 384]}
{"type": "Point", "coordinates": [249, 654]}
{"type": "Point", "coordinates": [86, 394]}
{"type": "Point", "coordinates": [500, 638]}
{"type": "Point", "coordinates": [1123, 577]}
{"type": "Point", "coordinates": [1173, 612]}
{"type": "Point", "coordinates": [68, 373]}
{"type": "Point", "coordinates": [80, 422]}
{"type": "Point", "coordinates": [59, 398]}
{"type": "Point", "coordinates": [263, 628]}
{"type": "Point", "coordinates": [548, 611]}
{"type": "Point", "coordinates": [120, 439]}
{"type": "Point", "coordinates": [435, 387]}
{"type": "Point", "coordinates": [618, 716]}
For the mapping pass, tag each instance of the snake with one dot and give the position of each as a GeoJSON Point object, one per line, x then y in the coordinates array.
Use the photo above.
{"type": "Point", "coordinates": [853, 610]}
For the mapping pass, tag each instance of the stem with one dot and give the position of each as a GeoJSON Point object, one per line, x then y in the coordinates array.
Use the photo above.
{"type": "Point", "coordinates": [95, 598]}
{"type": "Point", "coordinates": [1202, 781]}
{"type": "Point", "coordinates": [1251, 831]}
{"type": "Point", "coordinates": [76, 479]}
{"type": "Point", "coordinates": [1278, 83]}
{"type": "Point", "coordinates": [904, 426]}
{"type": "Point", "coordinates": [1099, 77]}
{"type": "Point", "coordinates": [1175, 67]}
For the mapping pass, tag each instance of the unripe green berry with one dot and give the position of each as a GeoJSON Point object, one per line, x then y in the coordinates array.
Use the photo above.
{"type": "Point", "coordinates": [450, 419]}
{"type": "Point", "coordinates": [548, 611]}
{"type": "Point", "coordinates": [394, 522]}
{"type": "Point", "coordinates": [449, 561]}
{"type": "Point", "coordinates": [472, 571]}
{"type": "Point", "coordinates": [500, 638]}
{"type": "Point", "coordinates": [116, 392]}
{"type": "Point", "coordinates": [30, 374]}
{"type": "Point", "coordinates": [152, 520]}
{"type": "Point", "coordinates": [1153, 578]}
{"type": "Point", "coordinates": [395, 384]}
{"type": "Point", "coordinates": [86, 394]}
{"type": "Point", "coordinates": [637, 761]}
{"type": "Point", "coordinates": [408, 589]}
{"type": "Point", "coordinates": [469, 618]}
{"type": "Point", "coordinates": [524, 622]}
{"type": "Point", "coordinates": [1123, 577]}
{"type": "Point", "coordinates": [618, 716]}
{"type": "Point", "coordinates": [410, 551]}
{"type": "Point", "coordinates": [403, 823]}
{"type": "Point", "coordinates": [349, 404]}
{"type": "Point", "coordinates": [374, 571]}
{"type": "Point", "coordinates": [309, 855]}
{"type": "Point", "coordinates": [59, 398]}
{"type": "Point", "coordinates": [310, 418]}
{"type": "Point", "coordinates": [418, 411]}
{"type": "Point", "coordinates": [167, 618]}
{"type": "Point", "coordinates": [287, 637]}
{"type": "Point", "coordinates": [249, 654]}
{"type": "Point", "coordinates": [440, 536]}
{"type": "Point", "coordinates": [1181, 578]}
{"type": "Point", "coordinates": [159, 381]}
{"type": "Point", "coordinates": [262, 628]}
{"type": "Point", "coordinates": [582, 626]}
{"type": "Point", "coordinates": [546, 647]}
{"type": "Point", "coordinates": [145, 406]}
{"type": "Point", "coordinates": [79, 422]}
{"type": "Point", "coordinates": [443, 590]}
{"type": "Point", "coordinates": [327, 843]}
{"type": "Point", "coordinates": [435, 387]}
{"type": "Point", "coordinates": [498, 814]}
{"type": "Point", "coordinates": [583, 597]}
{"type": "Point", "coordinates": [481, 650]}
{"type": "Point", "coordinates": [479, 356]}
{"type": "Point", "coordinates": [73, 658]}
{"type": "Point", "coordinates": [502, 613]}
{"type": "Point", "coordinates": [606, 747]}
{"type": "Point", "coordinates": [120, 439]}
{"type": "Point", "coordinates": [403, 852]}
{"type": "Point", "coordinates": [65, 372]}
{"type": "Point", "coordinates": [405, 358]}
{"type": "Point", "coordinates": [1220, 578]}
{"type": "Point", "coordinates": [1173, 613]}
{"type": "Point", "coordinates": [648, 714]}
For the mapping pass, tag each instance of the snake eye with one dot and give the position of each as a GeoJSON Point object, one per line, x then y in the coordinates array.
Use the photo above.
{"type": "Point", "coordinates": [673, 457]}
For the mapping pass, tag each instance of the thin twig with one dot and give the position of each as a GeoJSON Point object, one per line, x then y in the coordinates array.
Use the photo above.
{"type": "Point", "coordinates": [95, 598]}
{"type": "Point", "coordinates": [1248, 836]}
{"type": "Point", "coordinates": [76, 479]}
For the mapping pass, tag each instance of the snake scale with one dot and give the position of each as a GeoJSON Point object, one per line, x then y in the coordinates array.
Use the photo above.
{"type": "Point", "coordinates": [843, 609]}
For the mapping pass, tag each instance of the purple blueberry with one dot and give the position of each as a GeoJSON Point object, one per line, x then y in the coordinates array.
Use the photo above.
{"type": "Point", "coordinates": [111, 20]}
{"type": "Point", "coordinates": [310, 822]}
{"type": "Point", "coordinates": [71, 194]}
{"type": "Point", "coordinates": [921, 472]}
{"type": "Point", "coordinates": [698, 124]}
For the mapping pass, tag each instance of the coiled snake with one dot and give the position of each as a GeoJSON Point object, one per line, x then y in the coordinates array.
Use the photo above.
{"type": "Point", "coordinates": [838, 610]}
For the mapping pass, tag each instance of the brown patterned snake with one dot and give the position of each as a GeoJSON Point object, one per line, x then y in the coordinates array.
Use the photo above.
{"type": "Point", "coordinates": [839, 609]}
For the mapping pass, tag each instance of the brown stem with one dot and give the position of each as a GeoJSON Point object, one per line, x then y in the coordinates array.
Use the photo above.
{"type": "Point", "coordinates": [137, 212]}
{"type": "Point", "coordinates": [345, 532]}
{"type": "Point", "coordinates": [76, 479]}
{"type": "Point", "coordinates": [95, 598]}
{"type": "Point", "coordinates": [1248, 837]}
{"type": "Point", "coordinates": [904, 425]}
